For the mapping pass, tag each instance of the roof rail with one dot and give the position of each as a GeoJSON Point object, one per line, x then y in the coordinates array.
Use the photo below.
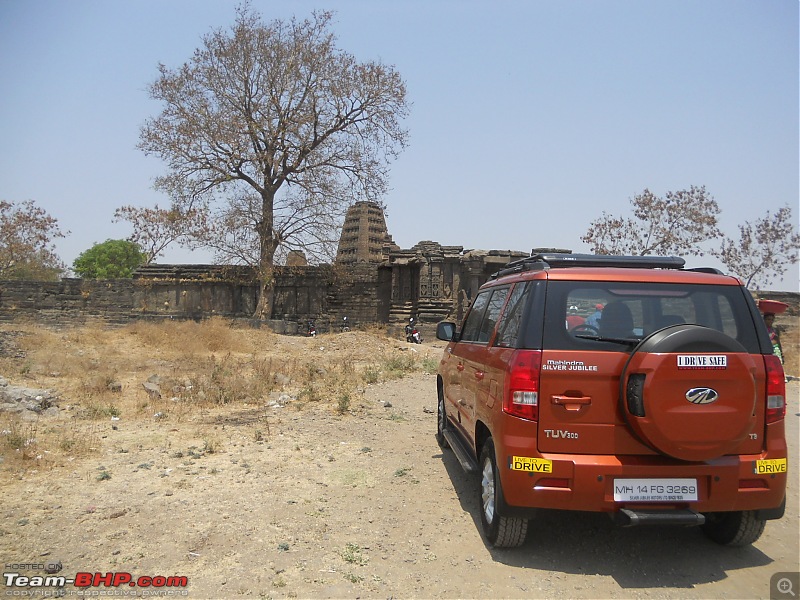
{"type": "Point", "coordinates": [539, 262]}
{"type": "Point", "coordinates": [712, 270]}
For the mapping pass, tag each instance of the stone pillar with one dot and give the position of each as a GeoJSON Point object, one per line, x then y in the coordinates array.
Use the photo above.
{"type": "Point", "coordinates": [424, 278]}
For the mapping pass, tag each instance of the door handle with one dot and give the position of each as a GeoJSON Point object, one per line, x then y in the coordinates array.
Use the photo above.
{"type": "Point", "coordinates": [572, 403]}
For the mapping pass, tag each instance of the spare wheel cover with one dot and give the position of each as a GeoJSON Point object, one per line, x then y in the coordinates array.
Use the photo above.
{"type": "Point", "coordinates": [689, 392]}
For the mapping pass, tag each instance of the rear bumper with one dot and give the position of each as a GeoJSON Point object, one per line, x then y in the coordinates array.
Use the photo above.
{"type": "Point", "coordinates": [587, 482]}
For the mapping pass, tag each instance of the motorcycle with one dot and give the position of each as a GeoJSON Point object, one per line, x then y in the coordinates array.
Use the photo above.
{"type": "Point", "coordinates": [344, 327]}
{"type": "Point", "coordinates": [412, 332]}
{"type": "Point", "coordinates": [311, 330]}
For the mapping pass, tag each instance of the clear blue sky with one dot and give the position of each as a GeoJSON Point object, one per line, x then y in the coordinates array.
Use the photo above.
{"type": "Point", "coordinates": [528, 118]}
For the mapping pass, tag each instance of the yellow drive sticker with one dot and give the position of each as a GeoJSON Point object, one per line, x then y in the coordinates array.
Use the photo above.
{"type": "Point", "coordinates": [774, 465]}
{"type": "Point", "coordinates": [534, 465]}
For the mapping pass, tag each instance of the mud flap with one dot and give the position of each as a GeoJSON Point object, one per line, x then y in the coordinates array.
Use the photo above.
{"type": "Point", "coordinates": [769, 514]}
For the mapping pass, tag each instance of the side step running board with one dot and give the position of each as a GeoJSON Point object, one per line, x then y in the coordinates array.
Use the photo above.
{"type": "Point", "coordinates": [632, 518]}
{"type": "Point", "coordinates": [469, 464]}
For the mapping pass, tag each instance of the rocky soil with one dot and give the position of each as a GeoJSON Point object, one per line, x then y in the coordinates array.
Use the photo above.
{"type": "Point", "coordinates": [273, 500]}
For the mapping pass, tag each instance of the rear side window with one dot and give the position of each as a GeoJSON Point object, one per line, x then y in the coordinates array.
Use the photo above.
{"type": "Point", "coordinates": [472, 324]}
{"type": "Point", "coordinates": [508, 332]}
{"type": "Point", "coordinates": [603, 315]}
{"type": "Point", "coordinates": [483, 315]}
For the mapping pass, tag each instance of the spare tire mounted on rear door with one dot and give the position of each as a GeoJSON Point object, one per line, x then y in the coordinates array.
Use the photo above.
{"type": "Point", "coordinates": [689, 392]}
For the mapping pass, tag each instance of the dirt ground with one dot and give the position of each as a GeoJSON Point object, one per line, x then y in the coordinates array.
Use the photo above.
{"type": "Point", "coordinates": [283, 499]}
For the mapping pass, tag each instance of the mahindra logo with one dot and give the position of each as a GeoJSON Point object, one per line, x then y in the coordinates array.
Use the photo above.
{"type": "Point", "coordinates": [702, 395]}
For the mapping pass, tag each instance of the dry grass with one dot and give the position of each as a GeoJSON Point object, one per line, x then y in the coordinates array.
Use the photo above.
{"type": "Point", "coordinates": [98, 373]}
{"type": "Point", "coordinates": [201, 368]}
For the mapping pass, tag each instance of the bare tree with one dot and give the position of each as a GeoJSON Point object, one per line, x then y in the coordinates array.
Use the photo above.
{"type": "Point", "coordinates": [154, 229]}
{"type": "Point", "coordinates": [274, 130]}
{"type": "Point", "coordinates": [764, 249]}
{"type": "Point", "coordinates": [679, 223]}
{"type": "Point", "coordinates": [26, 242]}
{"type": "Point", "coordinates": [231, 231]}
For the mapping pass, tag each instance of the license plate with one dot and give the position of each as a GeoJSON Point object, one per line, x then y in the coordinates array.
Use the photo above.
{"type": "Point", "coordinates": [655, 490]}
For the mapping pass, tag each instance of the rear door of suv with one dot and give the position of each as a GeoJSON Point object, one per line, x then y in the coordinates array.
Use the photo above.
{"type": "Point", "coordinates": [579, 410]}
{"type": "Point", "coordinates": [579, 385]}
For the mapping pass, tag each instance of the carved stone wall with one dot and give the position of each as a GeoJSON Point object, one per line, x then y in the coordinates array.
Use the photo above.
{"type": "Point", "coordinates": [431, 282]}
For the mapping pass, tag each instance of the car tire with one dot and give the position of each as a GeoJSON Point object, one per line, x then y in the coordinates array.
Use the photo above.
{"type": "Point", "coordinates": [740, 528]}
{"type": "Point", "coordinates": [441, 419]}
{"type": "Point", "coordinates": [500, 531]}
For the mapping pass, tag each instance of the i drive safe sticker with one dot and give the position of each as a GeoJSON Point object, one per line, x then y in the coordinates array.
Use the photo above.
{"type": "Point", "coordinates": [702, 361]}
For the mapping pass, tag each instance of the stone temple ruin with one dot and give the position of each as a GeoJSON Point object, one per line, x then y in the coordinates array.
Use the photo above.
{"type": "Point", "coordinates": [429, 281]}
{"type": "Point", "coordinates": [372, 280]}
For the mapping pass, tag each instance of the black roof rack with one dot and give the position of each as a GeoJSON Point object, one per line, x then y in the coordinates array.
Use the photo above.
{"type": "Point", "coordinates": [540, 262]}
{"type": "Point", "coordinates": [711, 270]}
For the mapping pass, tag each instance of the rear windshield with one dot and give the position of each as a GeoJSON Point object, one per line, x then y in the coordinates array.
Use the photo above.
{"type": "Point", "coordinates": [612, 315]}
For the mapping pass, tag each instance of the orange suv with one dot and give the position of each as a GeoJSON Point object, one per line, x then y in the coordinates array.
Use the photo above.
{"type": "Point", "coordinates": [627, 385]}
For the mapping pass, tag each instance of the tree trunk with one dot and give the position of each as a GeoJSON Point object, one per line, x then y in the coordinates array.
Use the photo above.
{"type": "Point", "coordinates": [266, 266]}
{"type": "Point", "coordinates": [266, 295]}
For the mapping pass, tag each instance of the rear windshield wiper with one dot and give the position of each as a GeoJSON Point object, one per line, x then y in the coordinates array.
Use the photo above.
{"type": "Point", "coordinates": [615, 340]}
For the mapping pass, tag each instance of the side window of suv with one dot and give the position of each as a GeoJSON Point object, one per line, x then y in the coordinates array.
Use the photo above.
{"type": "Point", "coordinates": [483, 316]}
{"type": "Point", "coordinates": [496, 304]}
{"type": "Point", "coordinates": [471, 329]}
{"type": "Point", "coordinates": [508, 332]}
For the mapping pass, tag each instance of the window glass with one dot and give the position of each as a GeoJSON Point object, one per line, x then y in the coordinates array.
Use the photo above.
{"type": "Point", "coordinates": [492, 315]}
{"type": "Point", "coordinates": [593, 315]}
{"type": "Point", "coordinates": [728, 325]}
{"type": "Point", "coordinates": [471, 329]}
{"type": "Point", "coordinates": [717, 312]}
{"type": "Point", "coordinates": [509, 325]}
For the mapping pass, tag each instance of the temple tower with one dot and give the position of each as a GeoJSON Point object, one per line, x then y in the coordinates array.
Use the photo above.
{"type": "Point", "coordinates": [364, 235]}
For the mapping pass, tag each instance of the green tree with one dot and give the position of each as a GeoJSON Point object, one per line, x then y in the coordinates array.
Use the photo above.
{"type": "Point", "coordinates": [26, 242]}
{"type": "Point", "coordinates": [271, 131]}
{"type": "Point", "coordinates": [679, 223]}
{"type": "Point", "coordinates": [113, 259]}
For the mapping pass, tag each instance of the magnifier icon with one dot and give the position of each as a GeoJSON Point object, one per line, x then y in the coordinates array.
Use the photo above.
{"type": "Point", "coordinates": [785, 587]}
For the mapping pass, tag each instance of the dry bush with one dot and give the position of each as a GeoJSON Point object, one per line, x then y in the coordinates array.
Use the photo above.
{"type": "Point", "coordinates": [43, 443]}
{"type": "Point", "coordinates": [19, 438]}
{"type": "Point", "coordinates": [228, 380]}
{"type": "Point", "coordinates": [395, 365]}
{"type": "Point", "coordinates": [188, 338]}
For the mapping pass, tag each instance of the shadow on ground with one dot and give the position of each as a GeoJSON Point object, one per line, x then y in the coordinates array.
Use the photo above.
{"type": "Point", "coordinates": [590, 544]}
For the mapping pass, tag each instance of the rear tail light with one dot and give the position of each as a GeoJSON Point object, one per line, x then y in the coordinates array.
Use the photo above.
{"type": "Point", "coordinates": [776, 389]}
{"type": "Point", "coordinates": [521, 397]}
